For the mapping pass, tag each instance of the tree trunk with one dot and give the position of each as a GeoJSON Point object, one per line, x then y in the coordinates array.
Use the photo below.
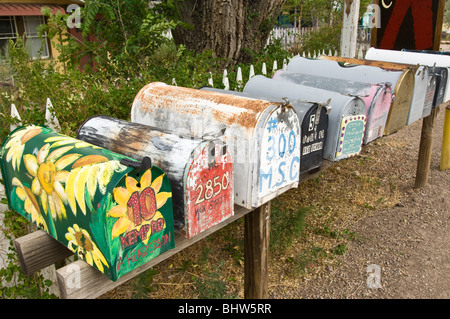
{"type": "Point", "coordinates": [226, 26]}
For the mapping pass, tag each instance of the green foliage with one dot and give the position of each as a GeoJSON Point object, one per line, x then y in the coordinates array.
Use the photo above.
{"type": "Point", "coordinates": [325, 38]}
{"type": "Point", "coordinates": [212, 286]}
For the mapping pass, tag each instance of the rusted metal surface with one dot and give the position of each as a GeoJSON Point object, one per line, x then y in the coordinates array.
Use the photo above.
{"type": "Point", "coordinates": [200, 172]}
{"type": "Point", "coordinates": [241, 123]}
{"type": "Point", "coordinates": [402, 83]}
{"type": "Point", "coordinates": [343, 108]}
{"type": "Point", "coordinates": [377, 97]}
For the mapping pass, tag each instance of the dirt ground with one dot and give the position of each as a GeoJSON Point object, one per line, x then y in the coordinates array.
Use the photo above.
{"type": "Point", "coordinates": [407, 243]}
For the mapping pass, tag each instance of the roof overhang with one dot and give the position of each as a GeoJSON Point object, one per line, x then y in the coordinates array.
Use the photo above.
{"type": "Point", "coordinates": [27, 9]}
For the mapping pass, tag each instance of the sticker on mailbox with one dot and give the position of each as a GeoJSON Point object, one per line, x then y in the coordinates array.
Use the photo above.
{"type": "Point", "coordinates": [351, 135]}
{"type": "Point", "coordinates": [280, 152]}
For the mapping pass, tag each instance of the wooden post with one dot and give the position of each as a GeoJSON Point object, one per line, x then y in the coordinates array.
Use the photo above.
{"type": "Point", "coordinates": [425, 150]}
{"type": "Point", "coordinates": [256, 252]}
{"type": "Point", "coordinates": [349, 34]}
{"type": "Point", "coordinates": [445, 155]}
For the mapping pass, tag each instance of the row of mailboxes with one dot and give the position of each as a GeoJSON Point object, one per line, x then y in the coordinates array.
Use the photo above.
{"type": "Point", "coordinates": [262, 136]}
{"type": "Point", "coordinates": [111, 210]}
{"type": "Point", "coordinates": [402, 83]}
{"type": "Point", "coordinates": [423, 89]}
{"type": "Point", "coordinates": [438, 64]}
{"type": "Point", "coordinates": [377, 97]}
{"type": "Point", "coordinates": [200, 171]}
{"type": "Point", "coordinates": [346, 119]}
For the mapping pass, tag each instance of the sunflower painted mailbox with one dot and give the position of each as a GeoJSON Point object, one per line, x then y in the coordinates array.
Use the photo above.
{"type": "Point", "coordinates": [262, 136]}
{"type": "Point", "coordinates": [314, 127]}
{"type": "Point", "coordinates": [402, 83]}
{"type": "Point", "coordinates": [114, 212]}
{"type": "Point", "coordinates": [200, 172]}
{"type": "Point", "coordinates": [347, 118]}
{"type": "Point", "coordinates": [378, 97]}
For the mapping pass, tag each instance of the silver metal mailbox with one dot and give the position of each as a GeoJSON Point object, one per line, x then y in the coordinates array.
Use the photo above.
{"type": "Point", "coordinates": [263, 136]}
{"type": "Point", "coordinates": [378, 97]}
{"type": "Point", "coordinates": [347, 119]}
{"type": "Point", "coordinates": [402, 82]}
{"type": "Point", "coordinates": [314, 127]}
{"type": "Point", "coordinates": [200, 172]}
{"type": "Point", "coordinates": [429, 59]}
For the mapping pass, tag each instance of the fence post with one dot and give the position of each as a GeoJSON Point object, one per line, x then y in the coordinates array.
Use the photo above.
{"type": "Point", "coordinates": [445, 154]}
{"type": "Point", "coordinates": [50, 118]}
{"type": "Point", "coordinates": [15, 115]}
{"type": "Point", "coordinates": [349, 35]}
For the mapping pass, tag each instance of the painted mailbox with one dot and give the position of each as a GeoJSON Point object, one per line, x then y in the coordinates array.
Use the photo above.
{"type": "Point", "coordinates": [113, 212]}
{"type": "Point", "coordinates": [402, 82]}
{"type": "Point", "coordinates": [429, 59]}
{"type": "Point", "coordinates": [263, 137]}
{"type": "Point", "coordinates": [200, 172]}
{"type": "Point", "coordinates": [314, 126]}
{"type": "Point", "coordinates": [347, 119]}
{"type": "Point", "coordinates": [378, 97]}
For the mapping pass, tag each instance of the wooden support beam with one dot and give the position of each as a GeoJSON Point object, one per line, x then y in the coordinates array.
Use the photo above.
{"type": "Point", "coordinates": [38, 250]}
{"type": "Point", "coordinates": [256, 252]}
{"type": "Point", "coordinates": [425, 150]}
{"type": "Point", "coordinates": [445, 154]}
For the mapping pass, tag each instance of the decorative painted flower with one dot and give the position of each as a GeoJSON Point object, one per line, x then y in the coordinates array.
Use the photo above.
{"type": "Point", "coordinates": [62, 140]}
{"type": "Point", "coordinates": [16, 144]}
{"type": "Point", "coordinates": [80, 242]}
{"type": "Point", "coordinates": [48, 173]}
{"type": "Point", "coordinates": [138, 203]}
{"type": "Point", "coordinates": [31, 205]}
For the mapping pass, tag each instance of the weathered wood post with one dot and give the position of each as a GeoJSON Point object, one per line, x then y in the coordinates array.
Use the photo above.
{"type": "Point", "coordinates": [445, 155]}
{"type": "Point", "coordinates": [256, 252]}
{"type": "Point", "coordinates": [349, 34]}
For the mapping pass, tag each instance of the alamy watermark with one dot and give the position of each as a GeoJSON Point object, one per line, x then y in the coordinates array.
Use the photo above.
{"type": "Point", "coordinates": [374, 278]}
{"type": "Point", "coordinates": [74, 19]}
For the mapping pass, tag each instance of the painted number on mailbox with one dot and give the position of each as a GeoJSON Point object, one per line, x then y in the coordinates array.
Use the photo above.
{"type": "Point", "coordinates": [210, 188]}
{"type": "Point", "coordinates": [280, 153]}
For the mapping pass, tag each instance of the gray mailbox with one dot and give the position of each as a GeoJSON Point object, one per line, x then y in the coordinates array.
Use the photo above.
{"type": "Point", "coordinates": [190, 164]}
{"type": "Point", "coordinates": [347, 119]}
{"type": "Point", "coordinates": [314, 127]}
{"type": "Point", "coordinates": [402, 83]}
{"type": "Point", "coordinates": [263, 136]}
{"type": "Point", "coordinates": [378, 97]}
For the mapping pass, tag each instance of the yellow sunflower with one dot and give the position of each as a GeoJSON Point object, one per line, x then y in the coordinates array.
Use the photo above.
{"type": "Point", "coordinates": [16, 144]}
{"type": "Point", "coordinates": [80, 242]}
{"type": "Point", "coordinates": [31, 205]}
{"type": "Point", "coordinates": [48, 173]}
{"type": "Point", "coordinates": [138, 203]}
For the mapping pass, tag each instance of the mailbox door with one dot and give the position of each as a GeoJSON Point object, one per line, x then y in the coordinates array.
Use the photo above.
{"type": "Point", "coordinates": [80, 194]}
{"type": "Point", "coordinates": [441, 84]}
{"type": "Point", "coordinates": [420, 92]}
{"type": "Point", "coordinates": [430, 95]}
{"type": "Point", "coordinates": [209, 191]}
{"type": "Point", "coordinates": [314, 121]}
{"type": "Point", "coordinates": [278, 161]}
{"type": "Point", "coordinates": [378, 113]}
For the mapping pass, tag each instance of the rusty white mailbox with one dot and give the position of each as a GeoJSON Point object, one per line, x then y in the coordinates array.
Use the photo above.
{"type": "Point", "coordinates": [112, 211]}
{"type": "Point", "coordinates": [378, 97]}
{"type": "Point", "coordinates": [347, 118]}
{"type": "Point", "coordinates": [314, 127]}
{"type": "Point", "coordinates": [263, 136]}
{"type": "Point", "coordinates": [200, 172]}
{"type": "Point", "coordinates": [422, 58]}
{"type": "Point", "coordinates": [402, 83]}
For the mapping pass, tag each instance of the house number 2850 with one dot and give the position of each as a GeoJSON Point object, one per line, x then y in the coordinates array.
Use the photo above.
{"type": "Point", "coordinates": [212, 188]}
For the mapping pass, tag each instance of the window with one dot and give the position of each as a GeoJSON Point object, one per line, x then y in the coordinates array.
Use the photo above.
{"type": "Point", "coordinates": [36, 46]}
{"type": "Point", "coordinates": [7, 31]}
{"type": "Point", "coordinates": [26, 26]}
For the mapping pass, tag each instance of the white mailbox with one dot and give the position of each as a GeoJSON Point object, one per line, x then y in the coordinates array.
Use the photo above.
{"type": "Point", "coordinates": [347, 118]}
{"type": "Point", "coordinates": [263, 136]}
